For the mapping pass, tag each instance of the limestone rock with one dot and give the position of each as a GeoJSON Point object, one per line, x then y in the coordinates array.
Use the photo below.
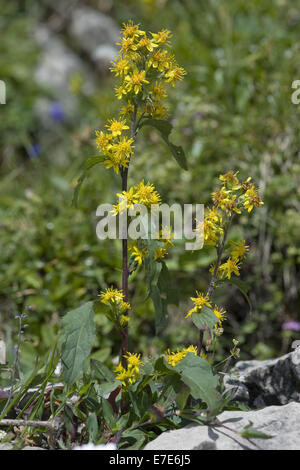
{"type": "Point", "coordinates": [280, 422]}
{"type": "Point", "coordinates": [90, 29]}
{"type": "Point", "coordinates": [265, 383]}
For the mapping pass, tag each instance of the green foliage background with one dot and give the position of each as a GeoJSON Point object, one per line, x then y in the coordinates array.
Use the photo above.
{"type": "Point", "coordinates": [233, 111]}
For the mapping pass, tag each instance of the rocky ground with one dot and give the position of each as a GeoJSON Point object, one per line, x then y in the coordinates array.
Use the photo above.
{"type": "Point", "coordinates": [271, 389]}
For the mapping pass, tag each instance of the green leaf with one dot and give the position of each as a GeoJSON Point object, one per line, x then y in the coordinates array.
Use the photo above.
{"type": "Point", "coordinates": [161, 311]}
{"type": "Point", "coordinates": [205, 318]}
{"type": "Point", "coordinates": [108, 414]}
{"type": "Point", "coordinates": [106, 387]}
{"type": "Point", "coordinates": [78, 338]}
{"type": "Point", "coordinates": [182, 396]}
{"type": "Point", "coordinates": [153, 272]}
{"type": "Point", "coordinates": [249, 432]}
{"type": "Point", "coordinates": [89, 164]}
{"type": "Point", "coordinates": [101, 371]}
{"type": "Point", "coordinates": [92, 425]}
{"type": "Point", "coordinates": [165, 128]}
{"type": "Point", "coordinates": [197, 374]}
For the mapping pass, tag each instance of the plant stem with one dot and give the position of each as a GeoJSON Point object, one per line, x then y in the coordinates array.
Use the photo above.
{"type": "Point", "coordinates": [125, 273]}
{"type": "Point", "coordinates": [212, 285]}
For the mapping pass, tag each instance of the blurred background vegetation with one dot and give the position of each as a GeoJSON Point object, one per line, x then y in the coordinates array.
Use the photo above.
{"type": "Point", "coordinates": [233, 111]}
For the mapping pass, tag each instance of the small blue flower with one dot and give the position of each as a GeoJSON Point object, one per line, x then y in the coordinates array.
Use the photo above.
{"type": "Point", "coordinates": [56, 112]}
{"type": "Point", "coordinates": [34, 150]}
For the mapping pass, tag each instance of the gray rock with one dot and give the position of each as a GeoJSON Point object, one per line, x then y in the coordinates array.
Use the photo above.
{"type": "Point", "coordinates": [90, 29]}
{"type": "Point", "coordinates": [265, 383]}
{"type": "Point", "coordinates": [6, 446]}
{"type": "Point", "coordinates": [280, 422]}
{"type": "Point", "coordinates": [32, 448]}
{"type": "Point", "coordinates": [58, 64]}
{"type": "Point", "coordinates": [103, 56]}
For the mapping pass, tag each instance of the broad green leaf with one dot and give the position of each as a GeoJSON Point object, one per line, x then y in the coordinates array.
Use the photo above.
{"type": "Point", "coordinates": [101, 371]}
{"type": "Point", "coordinates": [197, 374]}
{"type": "Point", "coordinates": [161, 368]}
{"type": "Point", "coordinates": [205, 317]}
{"type": "Point", "coordinates": [165, 128]}
{"type": "Point", "coordinates": [78, 338]}
{"type": "Point", "coordinates": [89, 164]}
{"type": "Point", "coordinates": [106, 387]}
{"type": "Point", "coordinates": [182, 396]}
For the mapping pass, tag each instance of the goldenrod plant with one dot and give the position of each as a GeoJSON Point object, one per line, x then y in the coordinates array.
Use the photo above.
{"type": "Point", "coordinates": [147, 395]}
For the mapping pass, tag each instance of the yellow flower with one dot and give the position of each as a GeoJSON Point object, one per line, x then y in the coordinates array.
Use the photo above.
{"type": "Point", "coordinates": [240, 249]}
{"type": "Point", "coordinates": [162, 36]}
{"type": "Point", "coordinates": [116, 127]}
{"type": "Point", "coordinates": [103, 141]}
{"type": "Point", "coordinates": [220, 314]}
{"type": "Point", "coordinates": [231, 266]}
{"type": "Point", "coordinates": [111, 295]}
{"type": "Point", "coordinates": [114, 298]}
{"type": "Point", "coordinates": [159, 111]}
{"type": "Point", "coordinates": [246, 184]}
{"type": "Point", "coordinates": [136, 80]}
{"type": "Point", "coordinates": [160, 253]}
{"type": "Point", "coordinates": [146, 44]}
{"type": "Point", "coordinates": [129, 109]}
{"type": "Point", "coordinates": [159, 60]}
{"type": "Point", "coordinates": [174, 358]}
{"type": "Point", "coordinates": [221, 198]}
{"type": "Point", "coordinates": [126, 375]}
{"type": "Point", "coordinates": [159, 91]}
{"type": "Point", "coordinates": [120, 91]}
{"type": "Point", "coordinates": [123, 148]}
{"type": "Point", "coordinates": [251, 199]}
{"type": "Point", "coordinates": [124, 320]}
{"type": "Point", "coordinates": [131, 374]}
{"type": "Point", "coordinates": [128, 47]}
{"type": "Point", "coordinates": [199, 302]}
{"type": "Point", "coordinates": [131, 30]}
{"type": "Point", "coordinates": [175, 74]}
{"type": "Point", "coordinates": [127, 201]}
{"type": "Point", "coordinates": [230, 180]}
{"type": "Point", "coordinates": [133, 361]}
{"type": "Point", "coordinates": [146, 194]}
{"type": "Point", "coordinates": [166, 235]}
{"type": "Point", "coordinates": [120, 67]}
{"type": "Point", "coordinates": [115, 160]}
{"type": "Point", "coordinates": [211, 227]}
{"type": "Point", "coordinates": [119, 154]}
{"type": "Point", "coordinates": [139, 254]}
{"type": "Point", "coordinates": [231, 206]}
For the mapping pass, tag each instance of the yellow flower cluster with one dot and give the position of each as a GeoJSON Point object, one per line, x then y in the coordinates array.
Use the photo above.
{"type": "Point", "coordinates": [174, 358]}
{"type": "Point", "coordinates": [114, 298]}
{"type": "Point", "coordinates": [116, 148]}
{"type": "Point", "coordinates": [141, 193]}
{"type": "Point", "coordinates": [143, 66]}
{"type": "Point", "coordinates": [132, 373]}
{"type": "Point", "coordinates": [139, 251]}
{"type": "Point", "coordinates": [201, 301]}
{"type": "Point", "coordinates": [232, 197]}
